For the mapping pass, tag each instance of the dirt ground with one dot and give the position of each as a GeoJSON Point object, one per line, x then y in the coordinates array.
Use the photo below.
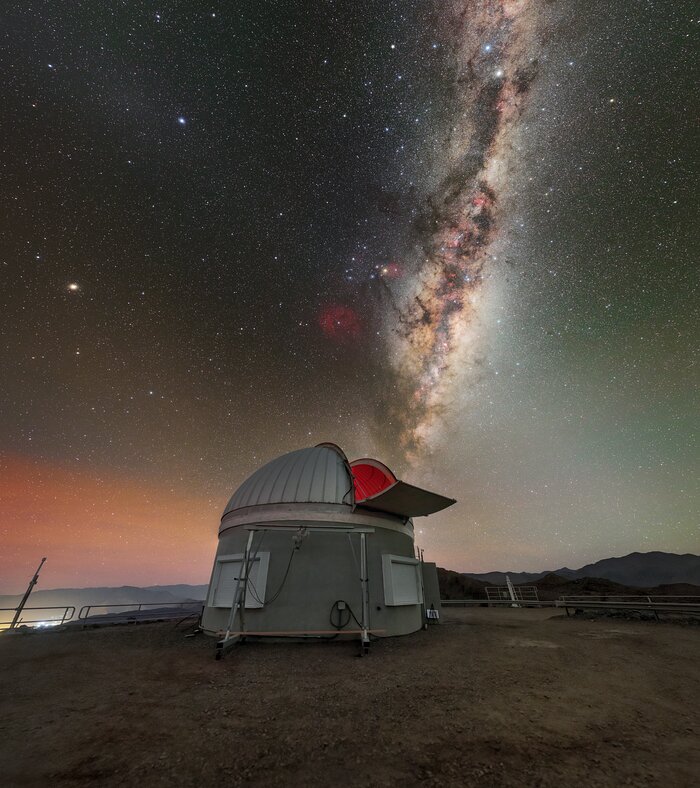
{"type": "Point", "coordinates": [491, 697]}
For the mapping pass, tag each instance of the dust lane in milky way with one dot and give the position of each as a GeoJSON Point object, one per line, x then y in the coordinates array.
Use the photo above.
{"type": "Point", "coordinates": [494, 62]}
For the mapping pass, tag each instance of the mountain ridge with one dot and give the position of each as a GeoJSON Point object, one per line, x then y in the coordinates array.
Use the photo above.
{"type": "Point", "coordinates": [635, 569]}
{"type": "Point", "coordinates": [100, 596]}
{"type": "Point", "coordinates": [454, 585]}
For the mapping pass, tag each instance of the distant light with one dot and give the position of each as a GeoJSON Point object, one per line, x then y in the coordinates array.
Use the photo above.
{"type": "Point", "coordinates": [393, 46]}
{"type": "Point", "coordinates": [500, 72]}
{"type": "Point", "coordinates": [74, 287]}
{"type": "Point", "coordinates": [487, 47]}
{"type": "Point", "coordinates": [50, 65]}
{"type": "Point", "coordinates": [182, 121]}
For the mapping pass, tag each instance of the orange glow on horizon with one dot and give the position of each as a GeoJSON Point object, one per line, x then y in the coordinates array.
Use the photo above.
{"type": "Point", "coordinates": [99, 528]}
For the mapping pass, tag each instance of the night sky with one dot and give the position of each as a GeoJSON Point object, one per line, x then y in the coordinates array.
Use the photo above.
{"type": "Point", "coordinates": [459, 236]}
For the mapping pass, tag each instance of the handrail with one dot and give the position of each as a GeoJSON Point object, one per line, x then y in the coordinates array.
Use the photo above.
{"type": "Point", "coordinates": [628, 605]}
{"type": "Point", "coordinates": [68, 613]}
{"type": "Point", "coordinates": [688, 608]}
{"type": "Point", "coordinates": [502, 602]}
{"type": "Point", "coordinates": [625, 597]}
{"type": "Point", "coordinates": [85, 609]}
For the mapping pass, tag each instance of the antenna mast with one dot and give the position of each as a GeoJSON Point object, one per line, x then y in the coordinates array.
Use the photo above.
{"type": "Point", "coordinates": [21, 605]}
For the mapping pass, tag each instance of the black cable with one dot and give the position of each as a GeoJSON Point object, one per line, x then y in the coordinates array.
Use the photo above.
{"type": "Point", "coordinates": [284, 580]}
{"type": "Point", "coordinates": [341, 625]}
{"type": "Point", "coordinates": [251, 560]}
{"type": "Point", "coordinates": [275, 596]}
{"type": "Point", "coordinates": [355, 617]}
{"type": "Point", "coordinates": [254, 592]}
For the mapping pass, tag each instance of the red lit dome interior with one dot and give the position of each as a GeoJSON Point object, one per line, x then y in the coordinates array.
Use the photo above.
{"type": "Point", "coordinates": [370, 477]}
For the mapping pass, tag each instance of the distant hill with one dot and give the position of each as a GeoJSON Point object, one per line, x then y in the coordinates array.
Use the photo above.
{"type": "Point", "coordinates": [552, 586]}
{"type": "Point", "coordinates": [454, 585]}
{"type": "Point", "coordinates": [101, 596]}
{"type": "Point", "coordinates": [641, 570]}
{"type": "Point", "coordinates": [182, 590]}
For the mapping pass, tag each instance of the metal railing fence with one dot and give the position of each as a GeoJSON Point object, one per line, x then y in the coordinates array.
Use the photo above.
{"type": "Point", "coordinates": [67, 615]}
{"type": "Point", "coordinates": [135, 607]}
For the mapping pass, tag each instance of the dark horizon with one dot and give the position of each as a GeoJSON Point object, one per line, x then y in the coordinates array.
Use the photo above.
{"type": "Point", "coordinates": [205, 582]}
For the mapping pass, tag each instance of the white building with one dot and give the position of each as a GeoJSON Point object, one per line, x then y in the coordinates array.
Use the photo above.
{"type": "Point", "coordinates": [329, 551]}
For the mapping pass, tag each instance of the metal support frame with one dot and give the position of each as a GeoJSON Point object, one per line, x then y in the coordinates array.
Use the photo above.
{"type": "Point", "coordinates": [423, 605]}
{"type": "Point", "coordinates": [234, 636]}
{"type": "Point", "coordinates": [511, 591]}
{"type": "Point", "coordinates": [364, 582]}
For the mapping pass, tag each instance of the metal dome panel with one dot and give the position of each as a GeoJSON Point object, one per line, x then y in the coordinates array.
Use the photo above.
{"type": "Point", "coordinates": [316, 475]}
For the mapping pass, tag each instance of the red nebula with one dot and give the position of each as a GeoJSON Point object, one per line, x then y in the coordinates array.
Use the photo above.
{"type": "Point", "coordinates": [341, 323]}
{"type": "Point", "coordinates": [391, 271]}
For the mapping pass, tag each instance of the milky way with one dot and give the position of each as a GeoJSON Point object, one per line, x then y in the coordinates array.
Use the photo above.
{"type": "Point", "coordinates": [494, 62]}
{"type": "Point", "coordinates": [454, 231]}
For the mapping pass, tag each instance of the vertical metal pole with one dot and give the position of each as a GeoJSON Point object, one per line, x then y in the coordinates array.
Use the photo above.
{"type": "Point", "coordinates": [246, 568]}
{"type": "Point", "coordinates": [21, 605]}
{"type": "Point", "coordinates": [423, 605]}
{"type": "Point", "coordinates": [236, 592]}
{"type": "Point", "coordinates": [365, 590]}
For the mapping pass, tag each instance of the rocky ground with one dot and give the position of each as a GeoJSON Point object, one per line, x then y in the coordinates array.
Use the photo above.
{"type": "Point", "coordinates": [491, 697]}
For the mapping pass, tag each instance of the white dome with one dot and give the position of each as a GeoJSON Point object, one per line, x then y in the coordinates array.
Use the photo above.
{"type": "Point", "coordinates": [317, 475]}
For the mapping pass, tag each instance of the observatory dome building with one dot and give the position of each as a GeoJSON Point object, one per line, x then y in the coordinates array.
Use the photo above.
{"type": "Point", "coordinates": [312, 545]}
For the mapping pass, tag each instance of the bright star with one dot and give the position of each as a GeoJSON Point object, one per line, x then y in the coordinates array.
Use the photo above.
{"type": "Point", "coordinates": [74, 287]}
{"type": "Point", "coordinates": [500, 72]}
{"type": "Point", "coordinates": [182, 121]}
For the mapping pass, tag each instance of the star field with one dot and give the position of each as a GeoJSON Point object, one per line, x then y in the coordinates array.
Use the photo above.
{"type": "Point", "coordinates": [216, 222]}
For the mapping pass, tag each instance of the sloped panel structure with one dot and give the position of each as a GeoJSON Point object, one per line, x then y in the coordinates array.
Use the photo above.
{"type": "Point", "coordinates": [378, 489]}
{"type": "Point", "coordinates": [405, 500]}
